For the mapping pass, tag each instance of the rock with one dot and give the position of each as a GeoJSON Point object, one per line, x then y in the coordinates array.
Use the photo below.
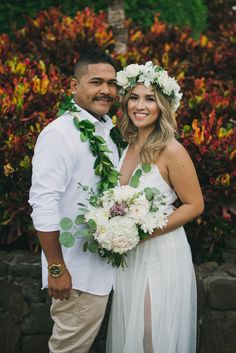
{"type": "Point", "coordinates": [3, 253]}
{"type": "Point", "coordinates": [230, 269]}
{"type": "Point", "coordinates": [38, 321]}
{"type": "Point", "coordinates": [26, 257]}
{"type": "Point", "coordinates": [31, 291]}
{"type": "Point", "coordinates": [3, 268]}
{"type": "Point", "coordinates": [35, 344]}
{"type": "Point", "coordinates": [10, 334]}
{"type": "Point", "coordinates": [207, 268]}
{"type": "Point", "coordinates": [222, 294]}
{"type": "Point", "coordinates": [11, 299]}
{"type": "Point", "coordinates": [218, 332]}
{"type": "Point", "coordinates": [18, 270]}
{"type": "Point", "coordinates": [229, 256]}
{"type": "Point", "coordinates": [201, 294]}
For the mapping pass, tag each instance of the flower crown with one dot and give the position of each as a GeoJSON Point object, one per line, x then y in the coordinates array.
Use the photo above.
{"type": "Point", "coordinates": [150, 74]}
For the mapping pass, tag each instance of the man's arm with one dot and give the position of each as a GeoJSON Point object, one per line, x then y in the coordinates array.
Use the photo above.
{"type": "Point", "coordinates": [52, 170]}
{"type": "Point", "coordinates": [58, 288]}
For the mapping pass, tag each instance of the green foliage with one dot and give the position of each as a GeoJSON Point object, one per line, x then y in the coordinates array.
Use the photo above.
{"type": "Point", "coordinates": [13, 14]}
{"type": "Point", "coordinates": [180, 12]}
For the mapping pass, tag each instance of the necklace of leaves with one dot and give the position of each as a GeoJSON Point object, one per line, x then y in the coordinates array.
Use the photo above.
{"type": "Point", "coordinates": [103, 166]}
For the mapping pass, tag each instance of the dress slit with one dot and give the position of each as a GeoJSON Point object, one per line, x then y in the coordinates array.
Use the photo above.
{"type": "Point", "coordinates": [147, 339]}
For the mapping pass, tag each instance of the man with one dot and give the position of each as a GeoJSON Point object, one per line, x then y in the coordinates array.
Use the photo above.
{"type": "Point", "coordinates": [78, 282]}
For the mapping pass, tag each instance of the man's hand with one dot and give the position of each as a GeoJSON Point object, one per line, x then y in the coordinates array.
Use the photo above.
{"type": "Point", "coordinates": [60, 287]}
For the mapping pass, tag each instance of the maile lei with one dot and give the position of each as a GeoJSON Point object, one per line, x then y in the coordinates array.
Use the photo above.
{"type": "Point", "coordinates": [103, 166]}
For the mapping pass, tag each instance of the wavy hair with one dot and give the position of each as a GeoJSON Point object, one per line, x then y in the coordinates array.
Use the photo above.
{"type": "Point", "coordinates": [163, 132]}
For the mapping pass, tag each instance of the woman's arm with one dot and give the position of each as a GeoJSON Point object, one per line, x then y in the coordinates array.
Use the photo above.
{"type": "Point", "coordinates": [183, 178]}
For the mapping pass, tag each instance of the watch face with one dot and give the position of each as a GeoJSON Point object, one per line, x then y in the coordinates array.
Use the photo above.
{"type": "Point", "coordinates": [55, 271]}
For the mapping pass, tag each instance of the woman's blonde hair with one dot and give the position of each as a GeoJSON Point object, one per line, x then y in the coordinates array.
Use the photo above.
{"type": "Point", "coordinates": [164, 131]}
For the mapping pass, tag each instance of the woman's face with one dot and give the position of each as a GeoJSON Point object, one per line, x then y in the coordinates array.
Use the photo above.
{"type": "Point", "coordinates": [142, 107]}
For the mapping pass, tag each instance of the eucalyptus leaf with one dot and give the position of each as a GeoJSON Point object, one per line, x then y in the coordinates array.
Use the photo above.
{"type": "Point", "coordinates": [148, 194]}
{"type": "Point", "coordinates": [92, 225]}
{"type": "Point", "coordinates": [134, 181]}
{"type": "Point", "coordinates": [138, 172]}
{"type": "Point", "coordinates": [93, 200]}
{"type": "Point", "coordinates": [87, 236]}
{"type": "Point", "coordinates": [93, 247]}
{"type": "Point", "coordinates": [85, 246]}
{"type": "Point", "coordinates": [83, 209]}
{"type": "Point", "coordinates": [155, 191]}
{"type": "Point", "coordinates": [80, 219]}
{"type": "Point", "coordinates": [146, 167]}
{"type": "Point", "coordinates": [67, 239]}
{"type": "Point", "coordinates": [84, 232]}
{"type": "Point", "coordinates": [81, 204]}
{"type": "Point", "coordinates": [66, 223]}
{"type": "Point", "coordinates": [77, 234]}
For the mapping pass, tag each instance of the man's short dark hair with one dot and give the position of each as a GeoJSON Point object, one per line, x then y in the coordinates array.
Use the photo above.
{"type": "Point", "coordinates": [92, 57]}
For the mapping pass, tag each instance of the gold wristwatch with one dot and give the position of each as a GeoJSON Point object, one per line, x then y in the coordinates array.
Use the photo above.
{"type": "Point", "coordinates": [56, 270]}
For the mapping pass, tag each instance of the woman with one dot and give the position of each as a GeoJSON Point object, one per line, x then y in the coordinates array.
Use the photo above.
{"type": "Point", "coordinates": [154, 302]}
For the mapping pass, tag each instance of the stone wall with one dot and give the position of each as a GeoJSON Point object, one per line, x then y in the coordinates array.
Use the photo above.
{"type": "Point", "coordinates": [25, 323]}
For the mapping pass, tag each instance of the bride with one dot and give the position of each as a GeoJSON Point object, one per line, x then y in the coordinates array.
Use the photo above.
{"type": "Point", "coordinates": [154, 301]}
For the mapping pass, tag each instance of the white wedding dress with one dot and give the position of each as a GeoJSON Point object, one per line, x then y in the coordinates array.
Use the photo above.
{"type": "Point", "coordinates": [154, 302]}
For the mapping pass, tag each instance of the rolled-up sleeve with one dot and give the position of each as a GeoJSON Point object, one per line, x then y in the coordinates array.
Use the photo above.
{"type": "Point", "coordinates": [52, 169]}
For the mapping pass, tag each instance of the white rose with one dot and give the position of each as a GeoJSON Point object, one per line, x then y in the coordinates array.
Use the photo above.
{"type": "Point", "coordinates": [132, 70]}
{"type": "Point", "coordinates": [122, 79]}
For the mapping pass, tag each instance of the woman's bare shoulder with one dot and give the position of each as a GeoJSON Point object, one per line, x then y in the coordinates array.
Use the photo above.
{"type": "Point", "coordinates": [174, 149]}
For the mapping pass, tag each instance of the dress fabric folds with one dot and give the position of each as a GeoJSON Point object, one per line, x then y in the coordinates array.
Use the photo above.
{"type": "Point", "coordinates": [154, 300]}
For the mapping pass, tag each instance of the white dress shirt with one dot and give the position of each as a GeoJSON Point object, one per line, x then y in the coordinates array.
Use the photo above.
{"type": "Point", "coordinates": [60, 161]}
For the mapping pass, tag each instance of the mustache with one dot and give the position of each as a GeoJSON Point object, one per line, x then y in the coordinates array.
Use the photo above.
{"type": "Point", "coordinates": [104, 96]}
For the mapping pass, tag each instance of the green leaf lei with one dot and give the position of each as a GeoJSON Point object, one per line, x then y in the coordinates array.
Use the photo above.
{"type": "Point", "coordinates": [103, 166]}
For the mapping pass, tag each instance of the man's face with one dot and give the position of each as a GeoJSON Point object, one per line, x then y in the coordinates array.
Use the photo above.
{"type": "Point", "coordinates": [95, 90]}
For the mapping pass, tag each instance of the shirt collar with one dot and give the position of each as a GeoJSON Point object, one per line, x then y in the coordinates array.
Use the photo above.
{"type": "Point", "coordinates": [105, 120]}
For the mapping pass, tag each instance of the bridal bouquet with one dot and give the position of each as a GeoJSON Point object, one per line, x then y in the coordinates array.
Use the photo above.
{"type": "Point", "coordinates": [116, 221]}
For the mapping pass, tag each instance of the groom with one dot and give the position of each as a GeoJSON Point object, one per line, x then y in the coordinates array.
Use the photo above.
{"type": "Point", "coordinates": [79, 283]}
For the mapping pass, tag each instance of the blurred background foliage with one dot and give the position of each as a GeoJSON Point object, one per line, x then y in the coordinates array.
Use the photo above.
{"type": "Point", "coordinates": [36, 63]}
{"type": "Point", "coordinates": [13, 14]}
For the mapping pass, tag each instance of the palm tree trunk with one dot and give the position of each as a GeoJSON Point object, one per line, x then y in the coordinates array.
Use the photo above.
{"type": "Point", "coordinates": [116, 19]}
